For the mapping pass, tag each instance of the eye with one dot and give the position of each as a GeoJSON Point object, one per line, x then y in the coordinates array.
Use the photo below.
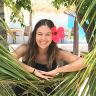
{"type": "Point", "coordinates": [39, 34]}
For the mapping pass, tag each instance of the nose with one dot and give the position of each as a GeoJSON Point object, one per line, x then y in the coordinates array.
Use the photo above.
{"type": "Point", "coordinates": [43, 37]}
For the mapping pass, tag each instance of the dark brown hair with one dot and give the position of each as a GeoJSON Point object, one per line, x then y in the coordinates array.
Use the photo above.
{"type": "Point", "coordinates": [32, 52]}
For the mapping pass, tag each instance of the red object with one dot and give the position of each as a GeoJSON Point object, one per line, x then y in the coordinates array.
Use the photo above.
{"type": "Point", "coordinates": [57, 34]}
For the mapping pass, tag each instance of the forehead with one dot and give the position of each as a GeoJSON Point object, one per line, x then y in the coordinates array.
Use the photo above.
{"type": "Point", "coordinates": [44, 28]}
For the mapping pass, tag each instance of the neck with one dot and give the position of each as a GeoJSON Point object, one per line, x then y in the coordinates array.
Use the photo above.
{"type": "Point", "coordinates": [43, 51]}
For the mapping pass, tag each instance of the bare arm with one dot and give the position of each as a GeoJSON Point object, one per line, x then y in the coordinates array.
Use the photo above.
{"type": "Point", "coordinates": [20, 52]}
{"type": "Point", "coordinates": [75, 64]}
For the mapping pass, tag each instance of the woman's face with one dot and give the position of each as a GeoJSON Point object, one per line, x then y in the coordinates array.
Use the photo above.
{"type": "Point", "coordinates": [43, 37]}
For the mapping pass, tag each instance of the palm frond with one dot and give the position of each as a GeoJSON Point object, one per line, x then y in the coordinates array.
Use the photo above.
{"type": "Point", "coordinates": [71, 86]}
{"type": "Point", "coordinates": [11, 70]}
{"type": "Point", "coordinates": [88, 11]}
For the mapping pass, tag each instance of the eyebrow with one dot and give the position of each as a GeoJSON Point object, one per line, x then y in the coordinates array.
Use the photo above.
{"type": "Point", "coordinates": [41, 32]}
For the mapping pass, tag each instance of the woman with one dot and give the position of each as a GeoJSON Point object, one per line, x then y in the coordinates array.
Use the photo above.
{"type": "Point", "coordinates": [41, 54]}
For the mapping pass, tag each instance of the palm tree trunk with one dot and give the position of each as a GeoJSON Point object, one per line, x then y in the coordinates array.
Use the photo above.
{"type": "Point", "coordinates": [76, 38]}
{"type": "Point", "coordinates": [2, 30]}
{"type": "Point", "coordinates": [88, 33]}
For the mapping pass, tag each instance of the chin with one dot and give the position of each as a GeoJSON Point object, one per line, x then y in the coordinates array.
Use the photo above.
{"type": "Point", "coordinates": [43, 47]}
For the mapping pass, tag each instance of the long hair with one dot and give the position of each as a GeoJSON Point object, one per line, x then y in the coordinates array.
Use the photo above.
{"type": "Point", "coordinates": [33, 52]}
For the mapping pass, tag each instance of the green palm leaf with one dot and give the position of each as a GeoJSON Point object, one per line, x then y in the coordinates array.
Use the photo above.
{"type": "Point", "coordinates": [67, 84]}
{"type": "Point", "coordinates": [11, 70]}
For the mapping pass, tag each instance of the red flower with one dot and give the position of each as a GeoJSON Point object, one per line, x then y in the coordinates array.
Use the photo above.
{"type": "Point", "coordinates": [57, 34]}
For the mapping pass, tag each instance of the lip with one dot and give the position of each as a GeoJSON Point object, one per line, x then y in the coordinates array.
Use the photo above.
{"type": "Point", "coordinates": [43, 42]}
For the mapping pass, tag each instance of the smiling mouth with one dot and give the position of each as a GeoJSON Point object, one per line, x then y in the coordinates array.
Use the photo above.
{"type": "Point", "coordinates": [43, 42]}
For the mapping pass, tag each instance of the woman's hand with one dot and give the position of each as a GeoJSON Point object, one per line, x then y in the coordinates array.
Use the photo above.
{"type": "Point", "coordinates": [51, 73]}
{"type": "Point", "coordinates": [41, 75]}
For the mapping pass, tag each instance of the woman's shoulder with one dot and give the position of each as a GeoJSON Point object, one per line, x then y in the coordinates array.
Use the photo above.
{"type": "Point", "coordinates": [21, 50]}
{"type": "Point", "coordinates": [60, 52]}
{"type": "Point", "coordinates": [67, 56]}
{"type": "Point", "coordinates": [22, 47]}
{"type": "Point", "coordinates": [63, 53]}
{"type": "Point", "coordinates": [25, 46]}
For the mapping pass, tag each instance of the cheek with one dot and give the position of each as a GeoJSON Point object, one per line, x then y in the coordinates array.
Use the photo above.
{"type": "Point", "coordinates": [37, 38]}
{"type": "Point", "coordinates": [50, 38]}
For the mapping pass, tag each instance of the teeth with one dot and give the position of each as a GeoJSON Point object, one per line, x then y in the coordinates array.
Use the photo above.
{"type": "Point", "coordinates": [43, 42]}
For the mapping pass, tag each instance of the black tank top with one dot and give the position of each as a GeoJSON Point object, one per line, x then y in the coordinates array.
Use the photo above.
{"type": "Point", "coordinates": [43, 67]}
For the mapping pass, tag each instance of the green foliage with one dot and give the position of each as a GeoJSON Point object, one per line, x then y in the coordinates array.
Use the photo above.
{"type": "Point", "coordinates": [25, 4]}
{"type": "Point", "coordinates": [12, 72]}
{"type": "Point", "coordinates": [59, 3]}
{"type": "Point", "coordinates": [82, 6]}
{"type": "Point", "coordinates": [86, 15]}
{"type": "Point", "coordinates": [67, 84]}
{"type": "Point", "coordinates": [16, 9]}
